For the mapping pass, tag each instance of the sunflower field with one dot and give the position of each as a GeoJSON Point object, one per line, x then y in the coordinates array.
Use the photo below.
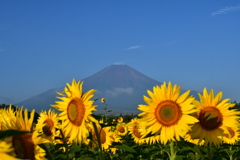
{"type": "Point", "coordinates": [170, 126]}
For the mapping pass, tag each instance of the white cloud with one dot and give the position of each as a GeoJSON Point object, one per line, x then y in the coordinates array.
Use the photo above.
{"type": "Point", "coordinates": [225, 10]}
{"type": "Point", "coordinates": [133, 47]}
{"type": "Point", "coordinates": [118, 63]}
{"type": "Point", "coordinates": [172, 42]}
{"type": "Point", "coordinates": [117, 91]}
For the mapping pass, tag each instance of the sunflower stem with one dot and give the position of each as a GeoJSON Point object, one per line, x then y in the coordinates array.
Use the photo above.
{"type": "Point", "coordinates": [65, 143]}
{"type": "Point", "coordinates": [48, 153]}
{"type": "Point", "coordinates": [209, 152]}
{"type": "Point", "coordinates": [172, 151]}
{"type": "Point", "coordinates": [231, 155]}
{"type": "Point", "coordinates": [105, 114]}
{"type": "Point", "coordinates": [101, 155]}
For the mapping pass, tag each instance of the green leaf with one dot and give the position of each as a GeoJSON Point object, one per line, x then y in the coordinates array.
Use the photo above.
{"type": "Point", "coordinates": [48, 153]}
{"type": "Point", "coordinates": [154, 149]}
{"type": "Point", "coordinates": [114, 144]}
{"type": "Point", "coordinates": [179, 157]}
{"type": "Point", "coordinates": [75, 148]}
{"type": "Point", "coordinates": [9, 133]}
{"type": "Point", "coordinates": [184, 149]}
{"type": "Point", "coordinates": [58, 146]}
{"type": "Point", "coordinates": [194, 148]}
{"type": "Point", "coordinates": [96, 99]}
{"type": "Point", "coordinates": [126, 148]}
{"type": "Point", "coordinates": [87, 158]}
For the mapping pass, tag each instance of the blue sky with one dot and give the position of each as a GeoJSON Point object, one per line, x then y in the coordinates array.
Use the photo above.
{"type": "Point", "coordinates": [44, 44]}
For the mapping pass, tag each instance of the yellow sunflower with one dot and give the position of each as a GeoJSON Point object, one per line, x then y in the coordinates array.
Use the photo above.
{"type": "Point", "coordinates": [188, 138]}
{"type": "Point", "coordinates": [4, 150]}
{"type": "Point", "coordinates": [214, 118]}
{"type": "Point", "coordinates": [47, 124]}
{"type": "Point", "coordinates": [121, 129]}
{"type": "Point", "coordinates": [120, 119]}
{"type": "Point", "coordinates": [115, 138]}
{"type": "Point", "coordinates": [167, 114]}
{"type": "Point", "coordinates": [76, 110]}
{"type": "Point", "coordinates": [103, 100]}
{"type": "Point", "coordinates": [113, 121]}
{"type": "Point", "coordinates": [133, 128]}
{"type": "Point", "coordinates": [8, 115]}
{"type": "Point", "coordinates": [232, 137]}
{"type": "Point", "coordinates": [105, 137]}
{"type": "Point", "coordinates": [26, 144]}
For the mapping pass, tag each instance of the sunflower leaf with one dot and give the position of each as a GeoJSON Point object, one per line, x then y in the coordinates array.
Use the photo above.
{"type": "Point", "coordinates": [84, 157]}
{"type": "Point", "coordinates": [9, 133]}
{"type": "Point", "coordinates": [126, 148]}
{"type": "Point", "coordinates": [48, 153]}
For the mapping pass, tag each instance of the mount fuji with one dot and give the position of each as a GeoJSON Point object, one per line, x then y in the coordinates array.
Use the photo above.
{"type": "Point", "coordinates": [122, 87]}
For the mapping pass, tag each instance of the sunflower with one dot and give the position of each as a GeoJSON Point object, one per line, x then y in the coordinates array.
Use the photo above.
{"type": "Point", "coordinates": [115, 138]}
{"type": "Point", "coordinates": [133, 128]}
{"type": "Point", "coordinates": [47, 124]}
{"type": "Point", "coordinates": [214, 118]}
{"type": "Point", "coordinates": [103, 100]}
{"type": "Point", "coordinates": [113, 121]}
{"type": "Point", "coordinates": [105, 137]}
{"type": "Point", "coordinates": [232, 137]}
{"type": "Point", "coordinates": [76, 110]}
{"type": "Point", "coordinates": [4, 150]}
{"type": "Point", "coordinates": [26, 144]}
{"type": "Point", "coordinates": [121, 129]}
{"type": "Point", "coordinates": [167, 114]}
{"type": "Point", "coordinates": [137, 132]}
{"type": "Point", "coordinates": [120, 119]}
{"type": "Point", "coordinates": [188, 138]}
{"type": "Point", "coordinates": [8, 115]}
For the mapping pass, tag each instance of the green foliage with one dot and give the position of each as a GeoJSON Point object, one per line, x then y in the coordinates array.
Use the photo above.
{"type": "Point", "coordinates": [8, 133]}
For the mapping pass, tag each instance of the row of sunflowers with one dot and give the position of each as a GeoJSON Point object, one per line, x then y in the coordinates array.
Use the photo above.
{"type": "Point", "coordinates": [166, 118]}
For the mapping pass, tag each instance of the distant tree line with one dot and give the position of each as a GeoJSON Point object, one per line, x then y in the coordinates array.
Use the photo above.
{"type": "Point", "coordinates": [237, 106]}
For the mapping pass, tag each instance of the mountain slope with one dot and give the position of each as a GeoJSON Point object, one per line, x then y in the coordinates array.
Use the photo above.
{"type": "Point", "coordinates": [122, 86]}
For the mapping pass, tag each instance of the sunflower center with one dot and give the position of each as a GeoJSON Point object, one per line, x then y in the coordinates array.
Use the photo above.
{"type": "Point", "coordinates": [121, 129]}
{"type": "Point", "coordinates": [136, 132]}
{"type": "Point", "coordinates": [47, 129]}
{"type": "Point", "coordinates": [168, 113]}
{"type": "Point", "coordinates": [76, 111]}
{"type": "Point", "coordinates": [103, 136]}
{"type": "Point", "coordinates": [23, 145]}
{"type": "Point", "coordinates": [210, 118]}
{"type": "Point", "coordinates": [231, 133]}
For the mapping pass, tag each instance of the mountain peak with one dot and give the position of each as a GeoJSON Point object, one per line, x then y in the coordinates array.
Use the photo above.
{"type": "Point", "coordinates": [119, 76]}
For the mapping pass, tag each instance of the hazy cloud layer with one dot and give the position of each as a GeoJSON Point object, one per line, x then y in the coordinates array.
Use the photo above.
{"type": "Point", "coordinates": [225, 10]}
{"type": "Point", "coordinates": [133, 47]}
{"type": "Point", "coordinates": [118, 63]}
{"type": "Point", "coordinates": [1, 49]}
{"type": "Point", "coordinates": [117, 91]}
